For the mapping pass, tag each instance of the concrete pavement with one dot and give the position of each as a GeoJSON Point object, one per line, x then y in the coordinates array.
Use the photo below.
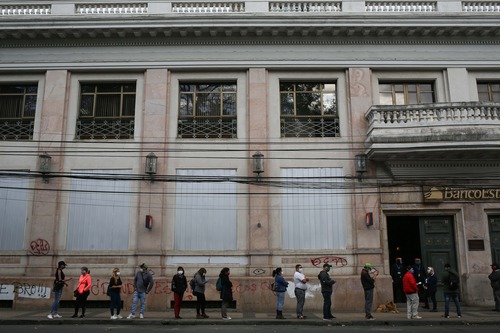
{"type": "Point", "coordinates": [94, 316]}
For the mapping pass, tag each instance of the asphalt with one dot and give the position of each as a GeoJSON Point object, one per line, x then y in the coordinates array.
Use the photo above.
{"type": "Point", "coordinates": [470, 316]}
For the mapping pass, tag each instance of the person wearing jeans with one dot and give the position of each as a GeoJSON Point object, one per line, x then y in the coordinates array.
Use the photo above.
{"type": "Point", "coordinates": [280, 286]}
{"type": "Point", "coordinates": [59, 283]}
{"type": "Point", "coordinates": [143, 283]}
{"type": "Point", "coordinates": [450, 292]}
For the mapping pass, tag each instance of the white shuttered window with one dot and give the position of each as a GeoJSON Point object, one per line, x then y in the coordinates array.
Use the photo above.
{"type": "Point", "coordinates": [205, 210]}
{"type": "Point", "coordinates": [13, 196]}
{"type": "Point", "coordinates": [99, 212]}
{"type": "Point", "coordinates": [313, 209]}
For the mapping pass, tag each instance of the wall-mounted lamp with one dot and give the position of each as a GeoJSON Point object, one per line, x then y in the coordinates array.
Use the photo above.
{"type": "Point", "coordinates": [150, 169]}
{"type": "Point", "coordinates": [45, 163]}
{"type": "Point", "coordinates": [258, 163]}
{"type": "Point", "coordinates": [360, 166]}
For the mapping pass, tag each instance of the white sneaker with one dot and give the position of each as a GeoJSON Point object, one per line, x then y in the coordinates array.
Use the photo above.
{"type": "Point", "coordinates": [416, 317]}
{"type": "Point", "coordinates": [226, 318]}
{"type": "Point", "coordinates": [57, 316]}
{"type": "Point", "coordinates": [119, 317]}
{"type": "Point", "coordinates": [114, 317]}
{"type": "Point", "coordinates": [130, 316]}
{"type": "Point", "coordinates": [50, 316]}
{"type": "Point", "coordinates": [141, 316]}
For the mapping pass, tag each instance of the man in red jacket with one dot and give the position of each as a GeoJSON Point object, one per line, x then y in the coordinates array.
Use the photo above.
{"type": "Point", "coordinates": [410, 289]}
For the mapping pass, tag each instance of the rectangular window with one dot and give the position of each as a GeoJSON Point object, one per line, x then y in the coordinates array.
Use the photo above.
{"type": "Point", "coordinates": [313, 206]}
{"type": "Point", "coordinates": [13, 199]}
{"type": "Point", "coordinates": [106, 111]}
{"type": "Point", "coordinates": [309, 109]}
{"type": "Point", "coordinates": [17, 111]}
{"type": "Point", "coordinates": [205, 210]}
{"type": "Point", "coordinates": [489, 92]}
{"type": "Point", "coordinates": [99, 210]}
{"type": "Point", "coordinates": [207, 110]}
{"type": "Point", "coordinates": [406, 93]}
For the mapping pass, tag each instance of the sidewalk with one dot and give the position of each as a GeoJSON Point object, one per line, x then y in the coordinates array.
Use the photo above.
{"type": "Point", "coordinates": [470, 316]}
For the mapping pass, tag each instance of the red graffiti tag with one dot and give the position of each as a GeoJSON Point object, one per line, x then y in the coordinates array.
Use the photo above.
{"type": "Point", "coordinates": [334, 261]}
{"type": "Point", "coordinates": [39, 247]}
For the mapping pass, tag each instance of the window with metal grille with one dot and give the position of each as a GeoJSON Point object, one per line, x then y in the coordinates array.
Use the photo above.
{"type": "Point", "coordinates": [17, 111]}
{"type": "Point", "coordinates": [107, 111]}
{"type": "Point", "coordinates": [309, 109]}
{"type": "Point", "coordinates": [488, 91]}
{"type": "Point", "coordinates": [403, 93]}
{"type": "Point", "coordinates": [207, 110]}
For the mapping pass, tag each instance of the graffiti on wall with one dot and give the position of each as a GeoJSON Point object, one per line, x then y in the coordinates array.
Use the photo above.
{"type": "Point", "coordinates": [334, 261]}
{"type": "Point", "coordinates": [31, 290]}
{"type": "Point", "coordinates": [6, 292]}
{"type": "Point", "coordinates": [39, 247]}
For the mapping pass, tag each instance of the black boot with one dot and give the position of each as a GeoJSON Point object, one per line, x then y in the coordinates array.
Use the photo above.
{"type": "Point", "coordinates": [277, 314]}
{"type": "Point", "coordinates": [280, 315]}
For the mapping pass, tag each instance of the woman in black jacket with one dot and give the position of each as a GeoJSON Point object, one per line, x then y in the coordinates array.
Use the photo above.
{"type": "Point", "coordinates": [179, 286]}
{"type": "Point", "coordinates": [226, 293]}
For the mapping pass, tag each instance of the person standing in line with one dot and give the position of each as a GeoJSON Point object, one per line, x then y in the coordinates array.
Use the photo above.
{"type": "Point", "coordinates": [451, 290]}
{"type": "Point", "coordinates": [59, 283]}
{"type": "Point", "coordinates": [495, 284]}
{"type": "Point", "coordinates": [226, 294]}
{"type": "Point", "coordinates": [326, 290]}
{"type": "Point", "coordinates": [199, 291]}
{"type": "Point", "coordinates": [280, 286]}
{"type": "Point", "coordinates": [143, 283]}
{"type": "Point", "coordinates": [300, 281]}
{"type": "Point", "coordinates": [431, 288]}
{"type": "Point", "coordinates": [114, 289]}
{"type": "Point", "coordinates": [397, 272]}
{"type": "Point", "coordinates": [82, 292]}
{"type": "Point", "coordinates": [368, 283]}
{"type": "Point", "coordinates": [410, 289]}
{"type": "Point", "coordinates": [419, 274]}
{"type": "Point", "coordinates": [179, 286]}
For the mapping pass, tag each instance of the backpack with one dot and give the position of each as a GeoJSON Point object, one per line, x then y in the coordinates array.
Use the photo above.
{"type": "Point", "coordinates": [218, 285]}
{"type": "Point", "coordinates": [192, 284]}
{"type": "Point", "coordinates": [454, 282]}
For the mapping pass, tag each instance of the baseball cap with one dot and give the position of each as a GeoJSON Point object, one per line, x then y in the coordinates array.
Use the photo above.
{"type": "Point", "coordinates": [368, 265]}
{"type": "Point", "coordinates": [327, 265]}
{"type": "Point", "coordinates": [61, 263]}
{"type": "Point", "coordinates": [144, 266]}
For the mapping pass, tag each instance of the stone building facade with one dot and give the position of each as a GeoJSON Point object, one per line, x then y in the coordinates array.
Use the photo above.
{"type": "Point", "coordinates": [378, 122]}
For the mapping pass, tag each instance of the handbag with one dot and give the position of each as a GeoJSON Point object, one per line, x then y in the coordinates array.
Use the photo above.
{"type": "Point", "coordinates": [75, 293]}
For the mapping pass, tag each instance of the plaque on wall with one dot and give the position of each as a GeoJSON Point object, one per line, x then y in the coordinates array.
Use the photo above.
{"type": "Point", "coordinates": [476, 244]}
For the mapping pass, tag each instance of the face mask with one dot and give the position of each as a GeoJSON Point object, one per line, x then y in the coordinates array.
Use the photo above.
{"type": "Point", "coordinates": [328, 269]}
{"type": "Point", "coordinates": [300, 270]}
{"type": "Point", "coordinates": [228, 273]}
{"type": "Point", "coordinates": [204, 274]}
{"type": "Point", "coordinates": [83, 272]}
{"type": "Point", "coordinates": [180, 272]}
{"type": "Point", "coordinates": [117, 273]}
{"type": "Point", "coordinates": [417, 262]}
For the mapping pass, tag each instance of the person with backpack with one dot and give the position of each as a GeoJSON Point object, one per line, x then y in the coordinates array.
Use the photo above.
{"type": "Point", "coordinates": [451, 284]}
{"type": "Point", "coordinates": [279, 288]}
{"type": "Point", "coordinates": [179, 286]}
{"type": "Point", "coordinates": [197, 284]}
{"type": "Point", "coordinates": [143, 283]}
{"type": "Point", "coordinates": [226, 292]}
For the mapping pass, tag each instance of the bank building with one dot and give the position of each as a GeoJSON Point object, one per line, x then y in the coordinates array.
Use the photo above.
{"type": "Point", "coordinates": [250, 135]}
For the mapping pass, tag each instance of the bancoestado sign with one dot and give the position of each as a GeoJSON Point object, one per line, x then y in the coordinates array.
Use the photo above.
{"type": "Point", "coordinates": [440, 194]}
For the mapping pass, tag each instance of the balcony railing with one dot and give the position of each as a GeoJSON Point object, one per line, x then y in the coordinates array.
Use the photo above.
{"type": "Point", "coordinates": [207, 128]}
{"type": "Point", "coordinates": [16, 129]}
{"type": "Point", "coordinates": [130, 7]}
{"type": "Point", "coordinates": [309, 127]}
{"type": "Point", "coordinates": [104, 129]}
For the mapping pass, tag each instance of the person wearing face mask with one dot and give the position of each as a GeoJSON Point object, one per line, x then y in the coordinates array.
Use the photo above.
{"type": "Point", "coordinates": [431, 288]}
{"type": "Point", "coordinates": [226, 294]}
{"type": "Point", "coordinates": [397, 272]}
{"type": "Point", "coordinates": [59, 283]}
{"type": "Point", "coordinates": [143, 283]}
{"type": "Point", "coordinates": [300, 281]}
{"type": "Point", "coordinates": [114, 288]}
{"type": "Point", "coordinates": [280, 286]}
{"type": "Point", "coordinates": [82, 292]}
{"type": "Point", "coordinates": [368, 275]}
{"type": "Point", "coordinates": [410, 289]}
{"type": "Point", "coordinates": [199, 291]}
{"type": "Point", "coordinates": [326, 290]}
{"type": "Point", "coordinates": [494, 278]}
{"type": "Point", "coordinates": [179, 286]}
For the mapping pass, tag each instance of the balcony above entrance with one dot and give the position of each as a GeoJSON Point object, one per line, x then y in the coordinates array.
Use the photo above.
{"type": "Point", "coordinates": [435, 140]}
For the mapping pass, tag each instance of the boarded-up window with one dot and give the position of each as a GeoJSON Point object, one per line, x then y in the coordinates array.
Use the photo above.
{"type": "Point", "coordinates": [99, 211]}
{"type": "Point", "coordinates": [13, 198]}
{"type": "Point", "coordinates": [205, 210]}
{"type": "Point", "coordinates": [313, 209]}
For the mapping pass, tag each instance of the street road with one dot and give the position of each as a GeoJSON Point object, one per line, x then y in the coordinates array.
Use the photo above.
{"type": "Point", "coordinates": [243, 329]}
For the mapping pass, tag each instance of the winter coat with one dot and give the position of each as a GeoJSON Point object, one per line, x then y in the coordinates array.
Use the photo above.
{"type": "Point", "coordinates": [112, 283]}
{"type": "Point", "coordinates": [179, 284]}
{"type": "Point", "coordinates": [326, 282]}
{"type": "Point", "coordinates": [409, 283]}
{"type": "Point", "coordinates": [366, 280]}
{"type": "Point", "coordinates": [280, 284]}
{"type": "Point", "coordinates": [431, 283]}
{"type": "Point", "coordinates": [200, 282]}
{"type": "Point", "coordinates": [495, 279]}
{"type": "Point", "coordinates": [143, 282]}
{"type": "Point", "coordinates": [227, 292]}
{"type": "Point", "coordinates": [446, 281]}
{"type": "Point", "coordinates": [84, 284]}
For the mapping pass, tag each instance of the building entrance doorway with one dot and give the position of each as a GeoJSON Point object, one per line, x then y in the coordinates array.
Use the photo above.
{"type": "Point", "coordinates": [430, 238]}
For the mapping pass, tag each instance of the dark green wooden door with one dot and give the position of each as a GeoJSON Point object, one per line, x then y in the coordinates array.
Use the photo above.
{"type": "Point", "coordinates": [437, 241]}
{"type": "Point", "coordinates": [494, 222]}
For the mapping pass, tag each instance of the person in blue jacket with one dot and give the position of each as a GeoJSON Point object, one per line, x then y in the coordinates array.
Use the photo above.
{"type": "Point", "coordinates": [280, 286]}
